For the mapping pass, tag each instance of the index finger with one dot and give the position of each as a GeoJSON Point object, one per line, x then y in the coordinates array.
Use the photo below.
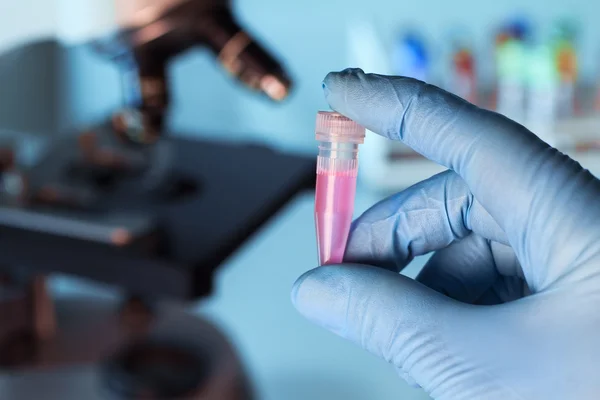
{"type": "Point", "coordinates": [536, 194]}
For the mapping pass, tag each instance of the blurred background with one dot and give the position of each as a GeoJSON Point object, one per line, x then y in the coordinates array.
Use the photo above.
{"type": "Point", "coordinates": [85, 80]}
{"type": "Point", "coordinates": [311, 38]}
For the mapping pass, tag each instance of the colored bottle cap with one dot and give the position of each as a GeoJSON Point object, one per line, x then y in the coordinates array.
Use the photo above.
{"type": "Point", "coordinates": [520, 28]}
{"type": "Point", "coordinates": [409, 57]}
{"type": "Point", "coordinates": [334, 127]}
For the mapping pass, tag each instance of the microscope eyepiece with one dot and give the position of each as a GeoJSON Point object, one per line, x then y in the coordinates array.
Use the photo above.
{"type": "Point", "coordinates": [157, 31]}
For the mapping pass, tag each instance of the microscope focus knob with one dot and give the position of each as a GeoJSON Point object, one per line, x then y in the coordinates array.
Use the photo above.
{"type": "Point", "coordinates": [133, 126]}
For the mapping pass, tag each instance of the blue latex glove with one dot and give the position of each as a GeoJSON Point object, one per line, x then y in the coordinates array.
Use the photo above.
{"type": "Point", "coordinates": [508, 305]}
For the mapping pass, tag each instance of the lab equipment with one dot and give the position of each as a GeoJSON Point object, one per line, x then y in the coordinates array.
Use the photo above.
{"type": "Point", "coordinates": [337, 169]}
{"type": "Point", "coordinates": [543, 92]}
{"type": "Point", "coordinates": [563, 42]}
{"type": "Point", "coordinates": [410, 57]}
{"type": "Point", "coordinates": [529, 85]}
{"type": "Point", "coordinates": [385, 165]}
{"type": "Point", "coordinates": [511, 67]}
{"type": "Point", "coordinates": [519, 27]}
{"type": "Point", "coordinates": [154, 32]}
{"type": "Point", "coordinates": [142, 240]}
{"type": "Point", "coordinates": [130, 204]}
{"type": "Point", "coordinates": [462, 80]}
{"type": "Point", "coordinates": [491, 247]}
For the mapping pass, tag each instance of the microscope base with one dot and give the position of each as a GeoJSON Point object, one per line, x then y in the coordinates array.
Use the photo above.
{"type": "Point", "coordinates": [102, 349]}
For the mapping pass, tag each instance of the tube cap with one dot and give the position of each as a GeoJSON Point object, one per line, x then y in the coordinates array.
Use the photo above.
{"type": "Point", "coordinates": [334, 127]}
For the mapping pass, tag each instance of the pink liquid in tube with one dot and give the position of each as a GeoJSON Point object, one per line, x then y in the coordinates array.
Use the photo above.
{"type": "Point", "coordinates": [337, 167]}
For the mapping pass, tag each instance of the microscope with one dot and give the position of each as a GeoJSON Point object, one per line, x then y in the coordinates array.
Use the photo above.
{"type": "Point", "coordinates": [152, 214]}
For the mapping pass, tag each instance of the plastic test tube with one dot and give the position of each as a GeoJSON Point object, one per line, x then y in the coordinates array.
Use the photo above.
{"type": "Point", "coordinates": [337, 168]}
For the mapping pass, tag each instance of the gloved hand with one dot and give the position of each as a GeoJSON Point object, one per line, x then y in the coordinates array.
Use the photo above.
{"type": "Point", "coordinates": [508, 306]}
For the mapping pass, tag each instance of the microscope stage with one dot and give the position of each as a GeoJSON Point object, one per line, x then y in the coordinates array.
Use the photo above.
{"type": "Point", "coordinates": [165, 242]}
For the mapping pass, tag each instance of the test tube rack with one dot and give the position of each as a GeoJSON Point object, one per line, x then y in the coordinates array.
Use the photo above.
{"type": "Point", "coordinates": [391, 166]}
